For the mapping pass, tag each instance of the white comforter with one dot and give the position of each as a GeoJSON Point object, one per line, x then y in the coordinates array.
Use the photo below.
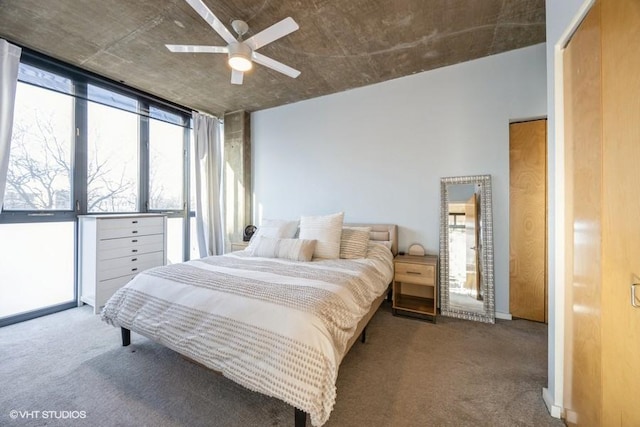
{"type": "Point", "coordinates": [277, 327]}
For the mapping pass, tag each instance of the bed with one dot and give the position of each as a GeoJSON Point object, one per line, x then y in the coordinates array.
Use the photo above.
{"type": "Point", "coordinates": [275, 326]}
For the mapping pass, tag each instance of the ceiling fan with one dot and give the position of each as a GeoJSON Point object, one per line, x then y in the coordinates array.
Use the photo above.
{"type": "Point", "coordinates": [242, 53]}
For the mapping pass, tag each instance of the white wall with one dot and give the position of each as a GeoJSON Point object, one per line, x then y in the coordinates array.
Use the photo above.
{"type": "Point", "coordinates": [378, 153]}
{"type": "Point", "coordinates": [561, 18]}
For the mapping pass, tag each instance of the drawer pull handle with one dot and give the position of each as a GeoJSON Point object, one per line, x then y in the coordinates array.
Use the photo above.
{"type": "Point", "coordinates": [134, 259]}
{"type": "Point", "coordinates": [134, 222]}
{"type": "Point", "coordinates": [135, 231]}
{"type": "Point", "coordinates": [134, 241]}
{"type": "Point", "coordinates": [134, 269]}
{"type": "Point", "coordinates": [414, 272]}
{"type": "Point", "coordinates": [134, 250]}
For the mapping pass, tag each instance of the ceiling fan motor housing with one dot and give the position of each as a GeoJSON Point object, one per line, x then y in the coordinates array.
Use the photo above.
{"type": "Point", "coordinates": [239, 49]}
{"type": "Point", "coordinates": [240, 56]}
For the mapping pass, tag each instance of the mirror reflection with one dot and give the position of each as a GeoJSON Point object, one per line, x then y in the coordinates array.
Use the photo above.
{"type": "Point", "coordinates": [465, 291]}
{"type": "Point", "coordinates": [466, 248]}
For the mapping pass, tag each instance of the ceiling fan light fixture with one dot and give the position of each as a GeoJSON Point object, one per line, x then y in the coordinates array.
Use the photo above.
{"type": "Point", "coordinates": [240, 63]}
{"type": "Point", "coordinates": [240, 57]}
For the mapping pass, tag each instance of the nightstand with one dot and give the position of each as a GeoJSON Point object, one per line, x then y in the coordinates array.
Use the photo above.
{"type": "Point", "coordinates": [239, 246]}
{"type": "Point", "coordinates": [415, 285]}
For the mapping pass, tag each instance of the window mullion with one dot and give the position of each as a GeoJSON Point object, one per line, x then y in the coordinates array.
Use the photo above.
{"type": "Point", "coordinates": [143, 155]}
{"type": "Point", "coordinates": [186, 194]}
{"type": "Point", "coordinates": [80, 172]}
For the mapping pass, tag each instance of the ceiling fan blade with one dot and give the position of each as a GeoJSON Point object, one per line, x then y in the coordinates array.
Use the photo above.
{"type": "Point", "coordinates": [275, 65]}
{"type": "Point", "coordinates": [274, 32]}
{"type": "Point", "coordinates": [212, 20]}
{"type": "Point", "coordinates": [236, 77]}
{"type": "Point", "coordinates": [185, 48]}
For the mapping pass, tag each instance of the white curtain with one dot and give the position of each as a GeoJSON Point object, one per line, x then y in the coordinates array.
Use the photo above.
{"type": "Point", "coordinates": [208, 152]}
{"type": "Point", "coordinates": [9, 63]}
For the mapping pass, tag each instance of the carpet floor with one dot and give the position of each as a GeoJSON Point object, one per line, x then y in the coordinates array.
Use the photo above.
{"type": "Point", "coordinates": [69, 369]}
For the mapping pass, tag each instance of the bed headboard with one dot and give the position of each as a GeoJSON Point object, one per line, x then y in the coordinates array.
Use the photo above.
{"type": "Point", "coordinates": [383, 233]}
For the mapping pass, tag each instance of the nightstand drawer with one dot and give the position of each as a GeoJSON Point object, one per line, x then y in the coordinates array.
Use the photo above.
{"type": "Point", "coordinates": [415, 273]}
{"type": "Point", "coordinates": [239, 246]}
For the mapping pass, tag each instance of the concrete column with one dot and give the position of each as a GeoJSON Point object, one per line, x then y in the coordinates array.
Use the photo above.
{"type": "Point", "coordinates": [237, 175]}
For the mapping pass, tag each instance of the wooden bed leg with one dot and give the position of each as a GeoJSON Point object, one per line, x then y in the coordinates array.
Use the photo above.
{"type": "Point", "coordinates": [126, 336]}
{"type": "Point", "coordinates": [300, 418]}
{"type": "Point", "coordinates": [363, 335]}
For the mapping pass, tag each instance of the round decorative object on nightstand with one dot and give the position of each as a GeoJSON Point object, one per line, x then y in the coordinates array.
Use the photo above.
{"type": "Point", "coordinates": [416, 250]}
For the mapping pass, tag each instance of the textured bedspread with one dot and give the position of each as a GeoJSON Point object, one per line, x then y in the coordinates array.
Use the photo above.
{"type": "Point", "coordinates": [277, 327]}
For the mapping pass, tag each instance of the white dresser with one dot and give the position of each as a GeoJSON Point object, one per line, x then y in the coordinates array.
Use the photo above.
{"type": "Point", "coordinates": [113, 249]}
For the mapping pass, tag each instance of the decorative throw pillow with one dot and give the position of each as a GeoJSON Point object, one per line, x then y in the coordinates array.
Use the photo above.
{"type": "Point", "coordinates": [354, 242]}
{"type": "Point", "coordinates": [296, 249]}
{"type": "Point", "coordinates": [276, 228]}
{"type": "Point", "coordinates": [293, 249]}
{"type": "Point", "coordinates": [327, 230]}
{"type": "Point", "coordinates": [264, 246]}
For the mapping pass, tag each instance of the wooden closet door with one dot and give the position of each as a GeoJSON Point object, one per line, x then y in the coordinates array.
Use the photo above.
{"type": "Point", "coordinates": [583, 192]}
{"type": "Point", "coordinates": [621, 212]}
{"type": "Point", "coordinates": [602, 149]}
{"type": "Point", "coordinates": [528, 220]}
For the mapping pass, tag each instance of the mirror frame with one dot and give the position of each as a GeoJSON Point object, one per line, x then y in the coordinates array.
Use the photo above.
{"type": "Point", "coordinates": [486, 257]}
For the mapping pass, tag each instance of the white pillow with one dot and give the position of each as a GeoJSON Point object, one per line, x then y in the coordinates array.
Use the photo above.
{"type": "Point", "coordinates": [276, 228]}
{"type": "Point", "coordinates": [354, 242]}
{"type": "Point", "coordinates": [293, 249]}
{"type": "Point", "coordinates": [327, 230]}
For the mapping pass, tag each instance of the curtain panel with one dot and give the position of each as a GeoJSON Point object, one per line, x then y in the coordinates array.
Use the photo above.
{"type": "Point", "coordinates": [208, 157]}
{"type": "Point", "coordinates": [9, 64]}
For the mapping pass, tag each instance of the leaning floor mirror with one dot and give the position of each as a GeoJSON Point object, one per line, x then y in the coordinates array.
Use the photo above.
{"type": "Point", "coordinates": [466, 248]}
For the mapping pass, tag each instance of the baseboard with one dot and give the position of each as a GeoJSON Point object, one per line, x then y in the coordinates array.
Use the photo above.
{"type": "Point", "coordinates": [504, 316]}
{"type": "Point", "coordinates": [554, 410]}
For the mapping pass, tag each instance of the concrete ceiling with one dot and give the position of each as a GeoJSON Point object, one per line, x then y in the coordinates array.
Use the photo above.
{"type": "Point", "coordinates": [341, 44]}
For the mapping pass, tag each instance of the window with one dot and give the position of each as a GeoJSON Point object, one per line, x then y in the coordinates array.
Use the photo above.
{"type": "Point", "coordinates": [82, 144]}
{"type": "Point", "coordinates": [38, 204]}
{"type": "Point", "coordinates": [112, 173]}
{"type": "Point", "coordinates": [31, 280]}
{"type": "Point", "coordinates": [166, 163]}
{"type": "Point", "coordinates": [40, 170]}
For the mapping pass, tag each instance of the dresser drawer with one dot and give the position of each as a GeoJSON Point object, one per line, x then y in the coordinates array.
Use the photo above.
{"type": "Point", "coordinates": [127, 227]}
{"type": "Point", "coordinates": [415, 273]}
{"type": "Point", "coordinates": [126, 246]}
{"type": "Point", "coordinates": [118, 267]}
{"type": "Point", "coordinates": [107, 288]}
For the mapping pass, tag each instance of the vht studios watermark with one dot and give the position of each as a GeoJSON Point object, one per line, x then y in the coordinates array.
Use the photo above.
{"type": "Point", "coordinates": [43, 415]}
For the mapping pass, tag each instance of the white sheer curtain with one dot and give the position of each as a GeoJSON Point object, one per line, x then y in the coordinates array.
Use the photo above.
{"type": "Point", "coordinates": [9, 63]}
{"type": "Point", "coordinates": [208, 152]}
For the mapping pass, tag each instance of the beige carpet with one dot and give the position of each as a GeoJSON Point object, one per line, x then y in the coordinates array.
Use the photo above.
{"type": "Point", "coordinates": [409, 373]}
